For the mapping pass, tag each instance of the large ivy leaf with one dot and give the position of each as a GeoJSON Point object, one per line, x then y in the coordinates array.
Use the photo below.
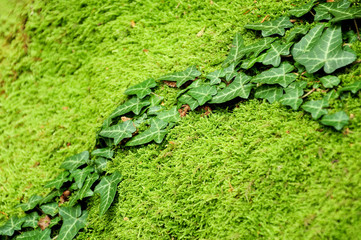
{"type": "Point", "coordinates": [238, 88]}
{"type": "Point", "coordinates": [354, 87]}
{"type": "Point", "coordinates": [330, 81]}
{"type": "Point", "coordinates": [101, 164]}
{"type": "Point", "coordinates": [186, 99]}
{"type": "Point", "coordinates": [337, 120]}
{"type": "Point", "coordinates": [31, 220]}
{"type": "Point", "coordinates": [14, 223]}
{"type": "Point", "coordinates": [50, 209]}
{"type": "Point", "coordinates": [103, 152]}
{"type": "Point", "coordinates": [271, 93]}
{"type": "Point", "coordinates": [296, 31]}
{"type": "Point", "coordinates": [80, 175]}
{"type": "Point", "coordinates": [203, 93]}
{"type": "Point", "coordinates": [119, 132]}
{"type": "Point", "coordinates": [156, 132]}
{"type": "Point", "coordinates": [327, 53]}
{"type": "Point", "coordinates": [235, 54]}
{"type": "Point", "coordinates": [345, 14]}
{"type": "Point", "coordinates": [302, 10]}
{"type": "Point", "coordinates": [134, 105]}
{"type": "Point", "coordinates": [85, 191]}
{"type": "Point", "coordinates": [258, 47]}
{"type": "Point", "coordinates": [250, 62]}
{"type": "Point", "coordinates": [316, 108]}
{"type": "Point", "coordinates": [37, 234]}
{"type": "Point", "coordinates": [75, 161]}
{"type": "Point", "coordinates": [273, 56]}
{"type": "Point", "coordinates": [33, 201]}
{"type": "Point", "coordinates": [182, 77]}
{"type": "Point", "coordinates": [322, 10]}
{"type": "Point", "coordinates": [73, 221]}
{"type": "Point", "coordinates": [216, 76]}
{"type": "Point", "coordinates": [171, 115]}
{"type": "Point", "coordinates": [308, 41]}
{"type": "Point", "coordinates": [142, 89]}
{"type": "Point", "coordinates": [58, 181]}
{"type": "Point", "coordinates": [272, 27]}
{"type": "Point", "coordinates": [107, 189]}
{"type": "Point", "coordinates": [278, 75]}
{"type": "Point", "coordinates": [292, 98]}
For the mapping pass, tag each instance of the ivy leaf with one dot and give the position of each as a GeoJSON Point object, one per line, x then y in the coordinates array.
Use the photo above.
{"type": "Point", "coordinates": [345, 14]}
{"type": "Point", "coordinates": [235, 54]}
{"type": "Point", "coordinates": [107, 189]}
{"type": "Point", "coordinates": [258, 47]}
{"type": "Point", "coordinates": [203, 93]}
{"type": "Point", "coordinates": [315, 108]}
{"type": "Point", "coordinates": [186, 99]}
{"type": "Point", "coordinates": [33, 201]}
{"type": "Point", "coordinates": [337, 120]}
{"type": "Point", "coordinates": [273, 56]}
{"type": "Point", "coordinates": [134, 104]}
{"type": "Point", "coordinates": [298, 84]}
{"type": "Point", "coordinates": [354, 87]}
{"type": "Point", "coordinates": [156, 132]}
{"type": "Point", "coordinates": [75, 161]}
{"type": "Point", "coordinates": [171, 115]}
{"type": "Point", "coordinates": [238, 88]}
{"type": "Point", "coordinates": [322, 10]}
{"type": "Point", "coordinates": [80, 175]}
{"type": "Point", "coordinates": [48, 198]}
{"type": "Point", "coordinates": [330, 95]}
{"type": "Point", "coordinates": [142, 89]}
{"type": "Point", "coordinates": [327, 53]}
{"type": "Point", "coordinates": [50, 209]}
{"type": "Point", "coordinates": [101, 164]}
{"type": "Point", "coordinates": [271, 93]}
{"type": "Point", "coordinates": [292, 98]}
{"type": "Point", "coordinates": [85, 191]}
{"type": "Point", "coordinates": [54, 222]}
{"type": "Point", "coordinates": [119, 132]}
{"type": "Point", "coordinates": [155, 110]}
{"type": "Point", "coordinates": [299, 30]}
{"type": "Point", "coordinates": [330, 81]}
{"type": "Point", "coordinates": [272, 27]}
{"type": "Point", "coordinates": [216, 76]}
{"type": "Point", "coordinates": [73, 221]}
{"type": "Point", "coordinates": [247, 64]}
{"type": "Point", "coordinates": [278, 75]}
{"type": "Point", "coordinates": [103, 152]}
{"type": "Point", "coordinates": [302, 10]}
{"type": "Point", "coordinates": [58, 181]}
{"type": "Point", "coordinates": [155, 100]}
{"type": "Point", "coordinates": [37, 234]}
{"type": "Point", "coordinates": [14, 223]}
{"type": "Point", "coordinates": [308, 41]}
{"type": "Point", "coordinates": [182, 77]}
{"type": "Point", "coordinates": [31, 220]}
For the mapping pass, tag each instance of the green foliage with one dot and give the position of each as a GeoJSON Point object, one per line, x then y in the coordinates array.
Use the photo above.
{"type": "Point", "coordinates": [271, 93]}
{"type": "Point", "coordinates": [345, 14]}
{"type": "Point", "coordinates": [280, 75]}
{"type": "Point", "coordinates": [330, 81]}
{"type": "Point", "coordinates": [273, 56]}
{"type": "Point", "coordinates": [31, 220]}
{"type": "Point", "coordinates": [33, 201]}
{"type": "Point", "coordinates": [85, 191]}
{"type": "Point", "coordinates": [203, 93]}
{"type": "Point", "coordinates": [58, 181]}
{"type": "Point", "coordinates": [80, 175]}
{"type": "Point", "coordinates": [37, 234]}
{"type": "Point", "coordinates": [337, 120]}
{"type": "Point", "coordinates": [103, 152]}
{"type": "Point", "coordinates": [302, 10]}
{"type": "Point", "coordinates": [292, 97]}
{"type": "Point", "coordinates": [171, 115]}
{"type": "Point", "coordinates": [182, 77]}
{"type": "Point", "coordinates": [119, 132]}
{"type": "Point", "coordinates": [134, 105]}
{"type": "Point", "coordinates": [14, 223]}
{"type": "Point", "coordinates": [74, 219]}
{"type": "Point", "coordinates": [142, 89]}
{"type": "Point", "coordinates": [272, 27]}
{"type": "Point", "coordinates": [353, 87]}
{"type": "Point", "coordinates": [236, 53]}
{"type": "Point", "coordinates": [323, 9]}
{"type": "Point", "coordinates": [75, 161]}
{"type": "Point", "coordinates": [50, 209]}
{"type": "Point", "coordinates": [156, 132]}
{"type": "Point", "coordinates": [316, 108]}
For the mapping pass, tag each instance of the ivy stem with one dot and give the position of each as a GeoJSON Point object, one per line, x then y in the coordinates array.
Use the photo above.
{"type": "Point", "coordinates": [311, 91]}
{"type": "Point", "coordinates": [358, 33]}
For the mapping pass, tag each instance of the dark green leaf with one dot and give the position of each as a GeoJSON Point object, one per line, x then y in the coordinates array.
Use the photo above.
{"type": "Point", "coordinates": [292, 98]}
{"type": "Point", "coordinates": [354, 87]}
{"type": "Point", "coordinates": [316, 108]}
{"type": "Point", "coordinates": [273, 56]}
{"type": "Point", "coordinates": [119, 132]}
{"type": "Point", "coordinates": [155, 100]}
{"type": "Point", "coordinates": [271, 93]}
{"type": "Point", "coordinates": [48, 198]}
{"type": "Point", "coordinates": [50, 209]}
{"type": "Point", "coordinates": [171, 115]}
{"type": "Point", "coordinates": [14, 223]}
{"type": "Point", "coordinates": [186, 99]}
{"type": "Point", "coordinates": [299, 30]}
{"type": "Point", "coordinates": [75, 161]}
{"type": "Point", "coordinates": [216, 76]}
{"type": "Point", "coordinates": [142, 89]}
{"type": "Point", "coordinates": [31, 220]}
{"type": "Point", "coordinates": [134, 104]}
{"type": "Point", "coordinates": [85, 191]}
{"type": "Point", "coordinates": [272, 27]}
{"type": "Point", "coordinates": [103, 152]}
{"type": "Point", "coordinates": [330, 81]}
{"type": "Point", "coordinates": [101, 164]}
{"type": "Point", "coordinates": [33, 201]}
{"type": "Point", "coordinates": [337, 120]}
{"type": "Point", "coordinates": [322, 10]}
{"type": "Point", "coordinates": [345, 14]}
{"type": "Point", "coordinates": [58, 181]}
{"type": "Point", "coordinates": [302, 10]}
{"type": "Point", "coordinates": [80, 175]}
{"type": "Point", "coordinates": [235, 54]}
{"type": "Point", "coordinates": [182, 77]}
{"type": "Point", "coordinates": [203, 93]}
{"type": "Point", "coordinates": [37, 234]}
{"type": "Point", "coordinates": [248, 63]}
{"type": "Point", "coordinates": [156, 132]}
{"type": "Point", "coordinates": [308, 41]}
{"type": "Point", "coordinates": [258, 47]}
{"type": "Point", "coordinates": [330, 95]}
{"type": "Point", "coordinates": [278, 75]}
{"type": "Point", "coordinates": [73, 221]}
{"type": "Point", "coordinates": [155, 110]}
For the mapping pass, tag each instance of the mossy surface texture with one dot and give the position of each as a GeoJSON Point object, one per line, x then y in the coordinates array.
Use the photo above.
{"type": "Point", "coordinates": [255, 171]}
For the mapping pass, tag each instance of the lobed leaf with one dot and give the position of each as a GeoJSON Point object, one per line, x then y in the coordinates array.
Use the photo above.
{"type": "Point", "coordinates": [119, 132]}
{"type": "Point", "coordinates": [272, 27]}
{"type": "Point", "coordinates": [142, 89]}
{"type": "Point", "coordinates": [292, 98]}
{"type": "Point", "coordinates": [273, 55]}
{"type": "Point", "coordinates": [75, 161]}
{"type": "Point", "coordinates": [302, 10]}
{"type": "Point", "coordinates": [354, 87]}
{"type": "Point", "coordinates": [32, 202]}
{"type": "Point", "coordinates": [80, 175]}
{"type": "Point", "coordinates": [103, 152]}
{"type": "Point", "coordinates": [316, 108]}
{"type": "Point", "coordinates": [156, 132]}
{"type": "Point", "coordinates": [323, 9]}
{"type": "Point", "coordinates": [299, 30]}
{"type": "Point", "coordinates": [258, 47]}
{"type": "Point", "coordinates": [308, 41]}
{"type": "Point", "coordinates": [235, 54]}
{"type": "Point", "coordinates": [337, 120]}
{"type": "Point", "coordinates": [182, 77]}
{"type": "Point", "coordinates": [50, 209]}
{"type": "Point", "coordinates": [14, 223]}
{"type": "Point", "coordinates": [271, 93]}
{"type": "Point", "coordinates": [134, 105]}
{"type": "Point", "coordinates": [73, 221]}
{"type": "Point", "coordinates": [248, 63]}
{"type": "Point", "coordinates": [345, 14]}
{"type": "Point", "coordinates": [58, 181]}
{"type": "Point", "coordinates": [216, 76]}
{"type": "Point", "coordinates": [330, 81]}
{"type": "Point", "coordinates": [186, 99]}
{"type": "Point", "coordinates": [278, 75]}
{"type": "Point", "coordinates": [101, 164]}
{"type": "Point", "coordinates": [31, 220]}
{"type": "Point", "coordinates": [85, 191]}
{"type": "Point", "coordinates": [37, 234]}
{"type": "Point", "coordinates": [203, 93]}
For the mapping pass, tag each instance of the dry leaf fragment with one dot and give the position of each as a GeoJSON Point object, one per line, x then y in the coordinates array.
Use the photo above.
{"type": "Point", "coordinates": [171, 84]}
{"type": "Point", "coordinates": [184, 110]}
{"type": "Point", "coordinates": [145, 50]}
{"type": "Point", "coordinates": [207, 109]}
{"type": "Point", "coordinates": [64, 197]}
{"type": "Point", "coordinates": [44, 222]}
{"type": "Point", "coordinates": [201, 32]}
{"type": "Point", "coordinates": [132, 23]}
{"type": "Point", "coordinates": [124, 119]}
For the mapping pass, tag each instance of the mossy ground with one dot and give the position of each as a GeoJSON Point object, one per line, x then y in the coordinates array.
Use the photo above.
{"type": "Point", "coordinates": [259, 170]}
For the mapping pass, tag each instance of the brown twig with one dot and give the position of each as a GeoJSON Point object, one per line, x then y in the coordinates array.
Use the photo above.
{"type": "Point", "coordinates": [358, 33]}
{"type": "Point", "coordinates": [311, 91]}
{"type": "Point", "coordinates": [264, 19]}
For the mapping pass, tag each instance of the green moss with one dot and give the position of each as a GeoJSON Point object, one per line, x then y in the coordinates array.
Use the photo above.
{"type": "Point", "coordinates": [258, 171]}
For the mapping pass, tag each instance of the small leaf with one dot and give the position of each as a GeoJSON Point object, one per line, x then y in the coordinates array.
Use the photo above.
{"type": "Point", "coordinates": [273, 56]}
{"type": "Point", "coordinates": [134, 104]}
{"type": "Point", "coordinates": [354, 87]}
{"type": "Point", "coordinates": [271, 93]}
{"type": "Point", "coordinates": [103, 152]}
{"type": "Point", "coordinates": [155, 110]}
{"type": "Point", "coordinates": [345, 14]}
{"type": "Point", "coordinates": [142, 89]}
{"type": "Point", "coordinates": [54, 222]}
{"type": "Point", "coordinates": [272, 27]}
{"type": "Point", "coordinates": [203, 93]}
{"type": "Point", "coordinates": [302, 10]}
{"type": "Point", "coordinates": [315, 108]}
{"type": "Point", "coordinates": [101, 164]}
{"type": "Point", "coordinates": [48, 198]}
{"type": "Point", "coordinates": [14, 223]}
{"type": "Point", "coordinates": [155, 100]}
{"type": "Point", "coordinates": [238, 88]}
{"type": "Point", "coordinates": [50, 209]}
{"type": "Point", "coordinates": [75, 161]}
{"type": "Point", "coordinates": [73, 221]}
{"type": "Point", "coordinates": [119, 132]}
{"type": "Point", "coordinates": [58, 181]}
{"type": "Point", "coordinates": [258, 47]}
{"type": "Point", "coordinates": [235, 54]}
{"type": "Point", "coordinates": [330, 81]}
{"type": "Point", "coordinates": [278, 75]}
{"type": "Point", "coordinates": [107, 122]}
{"type": "Point", "coordinates": [156, 132]}
{"type": "Point", "coordinates": [248, 63]}
{"type": "Point", "coordinates": [330, 95]}
{"type": "Point", "coordinates": [186, 99]}
{"type": "Point", "coordinates": [33, 201]}
{"type": "Point", "coordinates": [292, 98]}
{"type": "Point", "coordinates": [299, 30]}
{"type": "Point", "coordinates": [85, 191]}
{"type": "Point", "coordinates": [31, 220]}
{"type": "Point", "coordinates": [216, 76]}
{"type": "Point", "coordinates": [337, 120]}
{"type": "Point", "coordinates": [171, 115]}
{"type": "Point", "coordinates": [308, 41]}
{"type": "Point", "coordinates": [37, 234]}
{"type": "Point", "coordinates": [80, 175]}
{"type": "Point", "coordinates": [323, 9]}
{"type": "Point", "coordinates": [107, 189]}
{"type": "Point", "coordinates": [182, 77]}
